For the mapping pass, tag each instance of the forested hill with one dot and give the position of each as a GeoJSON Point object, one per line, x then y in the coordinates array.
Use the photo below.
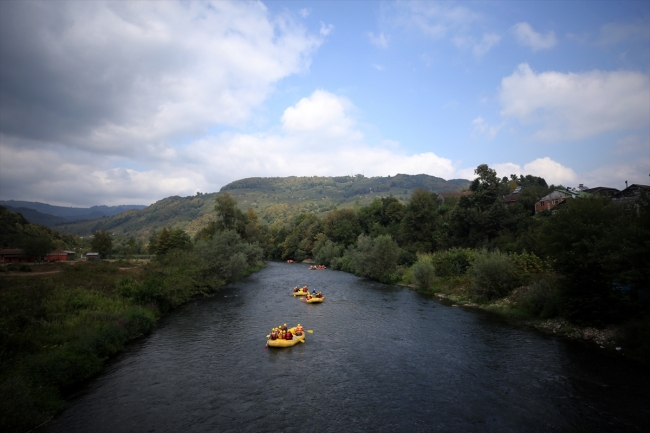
{"type": "Point", "coordinates": [348, 186]}
{"type": "Point", "coordinates": [274, 200]}
{"type": "Point", "coordinates": [47, 214]}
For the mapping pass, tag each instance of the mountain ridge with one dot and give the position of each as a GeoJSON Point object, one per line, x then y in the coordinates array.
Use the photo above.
{"type": "Point", "coordinates": [274, 199]}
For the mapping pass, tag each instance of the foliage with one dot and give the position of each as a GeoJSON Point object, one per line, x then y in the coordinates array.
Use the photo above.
{"type": "Point", "coordinates": [601, 243]}
{"type": "Point", "coordinates": [540, 299]}
{"type": "Point", "coordinates": [493, 274]}
{"type": "Point", "coordinates": [375, 258]}
{"type": "Point", "coordinates": [452, 262]}
{"type": "Point", "coordinates": [102, 243]}
{"type": "Point", "coordinates": [325, 251]}
{"type": "Point", "coordinates": [423, 272]}
{"type": "Point", "coordinates": [420, 220]}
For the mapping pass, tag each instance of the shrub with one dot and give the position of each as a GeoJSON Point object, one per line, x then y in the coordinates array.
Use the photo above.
{"type": "Point", "coordinates": [528, 265]}
{"type": "Point", "coordinates": [423, 273]}
{"type": "Point", "coordinates": [493, 275]}
{"type": "Point", "coordinates": [327, 252]}
{"type": "Point", "coordinates": [453, 262]}
{"type": "Point", "coordinates": [540, 298]}
{"type": "Point", "coordinates": [24, 268]}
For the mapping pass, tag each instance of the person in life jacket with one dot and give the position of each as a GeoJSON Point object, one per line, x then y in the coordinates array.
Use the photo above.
{"type": "Point", "coordinates": [313, 292]}
{"type": "Point", "coordinates": [319, 295]}
{"type": "Point", "coordinates": [295, 289]}
{"type": "Point", "coordinates": [289, 336]}
{"type": "Point", "coordinates": [299, 330]}
{"type": "Point", "coordinates": [274, 334]}
{"type": "Point", "coordinates": [284, 327]}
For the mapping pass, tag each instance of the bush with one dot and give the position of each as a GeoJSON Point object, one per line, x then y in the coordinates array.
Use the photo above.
{"type": "Point", "coordinates": [540, 298]}
{"type": "Point", "coordinates": [24, 268]}
{"type": "Point", "coordinates": [528, 266]}
{"type": "Point", "coordinates": [375, 258]}
{"type": "Point", "coordinates": [327, 252]}
{"type": "Point", "coordinates": [453, 262]}
{"type": "Point", "coordinates": [493, 275]}
{"type": "Point", "coordinates": [423, 273]}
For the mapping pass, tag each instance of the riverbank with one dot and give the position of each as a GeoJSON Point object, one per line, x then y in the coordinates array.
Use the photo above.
{"type": "Point", "coordinates": [59, 326]}
{"type": "Point", "coordinates": [454, 292]}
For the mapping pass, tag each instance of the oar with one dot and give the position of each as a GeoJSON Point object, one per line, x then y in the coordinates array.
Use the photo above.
{"type": "Point", "coordinates": [311, 331]}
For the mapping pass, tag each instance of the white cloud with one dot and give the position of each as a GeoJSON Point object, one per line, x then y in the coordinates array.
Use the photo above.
{"type": "Point", "coordinates": [488, 41]}
{"type": "Point", "coordinates": [80, 180]}
{"type": "Point", "coordinates": [191, 65]}
{"type": "Point", "coordinates": [304, 12]}
{"type": "Point", "coordinates": [433, 19]}
{"type": "Point", "coordinates": [378, 67]}
{"type": "Point", "coordinates": [380, 40]}
{"type": "Point", "coordinates": [483, 128]}
{"type": "Point", "coordinates": [552, 171]}
{"type": "Point", "coordinates": [528, 37]}
{"type": "Point", "coordinates": [571, 106]}
{"type": "Point", "coordinates": [322, 113]}
{"type": "Point", "coordinates": [326, 29]}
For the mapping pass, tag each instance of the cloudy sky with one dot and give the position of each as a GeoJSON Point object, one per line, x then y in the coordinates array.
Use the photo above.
{"type": "Point", "coordinates": [116, 102]}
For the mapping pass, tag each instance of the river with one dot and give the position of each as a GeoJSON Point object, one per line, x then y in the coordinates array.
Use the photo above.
{"type": "Point", "coordinates": [380, 359]}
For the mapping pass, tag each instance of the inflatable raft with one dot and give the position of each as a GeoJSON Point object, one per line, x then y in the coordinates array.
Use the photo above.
{"type": "Point", "coordinates": [287, 343]}
{"type": "Point", "coordinates": [314, 300]}
{"type": "Point", "coordinates": [301, 291]}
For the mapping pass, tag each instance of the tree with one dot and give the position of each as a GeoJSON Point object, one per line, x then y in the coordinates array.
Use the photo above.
{"type": "Point", "coordinates": [420, 220]}
{"type": "Point", "coordinates": [102, 243]}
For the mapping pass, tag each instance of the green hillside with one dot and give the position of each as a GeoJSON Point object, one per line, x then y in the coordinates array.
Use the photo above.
{"type": "Point", "coordinates": [273, 199]}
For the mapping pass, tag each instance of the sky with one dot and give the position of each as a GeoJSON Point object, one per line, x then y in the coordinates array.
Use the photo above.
{"type": "Point", "coordinates": [116, 102]}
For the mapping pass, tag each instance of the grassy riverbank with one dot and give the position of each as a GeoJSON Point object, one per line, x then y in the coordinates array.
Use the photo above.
{"type": "Point", "coordinates": [522, 307]}
{"type": "Point", "coordinates": [59, 324]}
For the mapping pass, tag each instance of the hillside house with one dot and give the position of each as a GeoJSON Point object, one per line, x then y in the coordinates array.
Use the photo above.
{"type": "Point", "coordinates": [602, 191]}
{"type": "Point", "coordinates": [558, 197]}
{"type": "Point", "coordinates": [92, 256]}
{"type": "Point", "coordinates": [631, 193]}
{"type": "Point", "coordinates": [15, 255]}
{"type": "Point", "coordinates": [59, 255]}
{"type": "Point", "coordinates": [511, 199]}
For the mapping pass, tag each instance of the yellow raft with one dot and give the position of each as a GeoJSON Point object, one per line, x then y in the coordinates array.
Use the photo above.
{"type": "Point", "coordinates": [288, 343]}
{"type": "Point", "coordinates": [301, 291]}
{"type": "Point", "coordinates": [314, 300]}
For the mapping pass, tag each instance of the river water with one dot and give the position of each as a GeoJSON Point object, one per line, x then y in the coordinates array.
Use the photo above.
{"type": "Point", "coordinates": [380, 359]}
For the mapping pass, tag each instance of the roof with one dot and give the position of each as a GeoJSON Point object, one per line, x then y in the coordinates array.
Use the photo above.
{"type": "Point", "coordinates": [631, 191]}
{"type": "Point", "coordinates": [92, 254]}
{"type": "Point", "coordinates": [597, 189]}
{"type": "Point", "coordinates": [11, 251]}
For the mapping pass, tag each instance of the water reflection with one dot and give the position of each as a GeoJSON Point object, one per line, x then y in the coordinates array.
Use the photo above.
{"type": "Point", "coordinates": [381, 358]}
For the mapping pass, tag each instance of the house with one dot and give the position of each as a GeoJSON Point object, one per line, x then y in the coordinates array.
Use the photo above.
{"type": "Point", "coordinates": [631, 193]}
{"type": "Point", "coordinates": [15, 255]}
{"type": "Point", "coordinates": [558, 197]}
{"type": "Point", "coordinates": [92, 256]}
{"type": "Point", "coordinates": [59, 255]}
{"type": "Point", "coordinates": [602, 191]}
{"type": "Point", "coordinates": [511, 199]}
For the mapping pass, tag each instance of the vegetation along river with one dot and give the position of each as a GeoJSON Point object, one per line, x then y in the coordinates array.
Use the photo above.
{"type": "Point", "coordinates": [380, 359]}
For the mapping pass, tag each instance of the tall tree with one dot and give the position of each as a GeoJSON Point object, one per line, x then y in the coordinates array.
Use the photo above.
{"type": "Point", "coordinates": [102, 243]}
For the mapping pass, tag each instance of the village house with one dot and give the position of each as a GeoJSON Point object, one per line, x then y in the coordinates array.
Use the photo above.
{"type": "Point", "coordinates": [631, 193]}
{"type": "Point", "coordinates": [92, 256]}
{"type": "Point", "coordinates": [15, 255]}
{"type": "Point", "coordinates": [602, 191]}
{"type": "Point", "coordinates": [511, 199]}
{"type": "Point", "coordinates": [59, 255]}
{"type": "Point", "coordinates": [557, 197]}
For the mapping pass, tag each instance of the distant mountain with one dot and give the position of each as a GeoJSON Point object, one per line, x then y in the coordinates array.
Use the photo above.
{"type": "Point", "coordinates": [36, 217]}
{"type": "Point", "coordinates": [45, 211]}
{"type": "Point", "coordinates": [274, 199]}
